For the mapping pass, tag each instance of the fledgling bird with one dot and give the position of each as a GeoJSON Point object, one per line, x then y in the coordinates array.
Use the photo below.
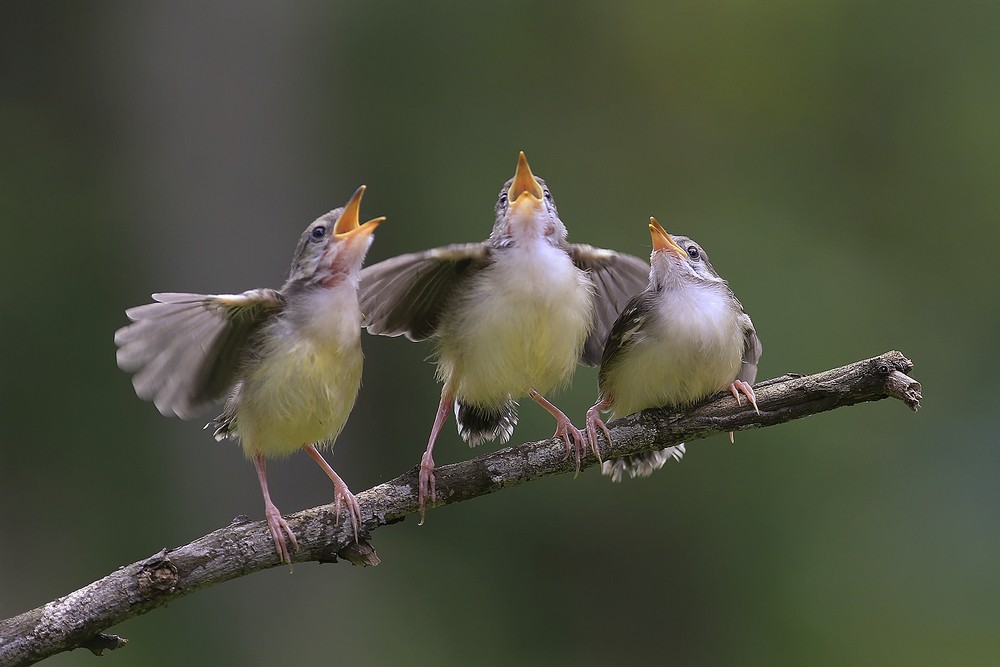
{"type": "Point", "coordinates": [511, 316]}
{"type": "Point", "coordinates": [289, 359]}
{"type": "Point", "coordinates": [683, 338]}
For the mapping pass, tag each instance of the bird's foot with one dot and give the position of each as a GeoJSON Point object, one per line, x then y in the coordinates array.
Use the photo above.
{"type": "Point", "coordinates": [275, 522]}
{"type": "Point", "coordinates": [427, 486]}
{"type": "Point", "coordinates": [342, 497]}
{"type": "Point", "coordinates": [738, 387]}
{"type": "Point", "coordinates": [279, 529]}
{"type": "Point", "coordinates": [595, 422]}
{"type": "Point", "coordinates": [574, 441]}
{"type": "Point", "coordinates": [572, 438]}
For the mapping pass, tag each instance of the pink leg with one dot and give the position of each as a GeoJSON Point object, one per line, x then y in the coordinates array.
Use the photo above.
{"type": "Point", "coordinates": [341, 494]}
{"type": "Point", "coordinates": [737, 387]}
{"type": "Point", "coordinates": [427, 486]}
{"type": "Point", "coordinates": [275, 522]}
{"type": "Point", "coordinates": [594, 422]}
{"type": "Point", "coordinates": [572, 438]}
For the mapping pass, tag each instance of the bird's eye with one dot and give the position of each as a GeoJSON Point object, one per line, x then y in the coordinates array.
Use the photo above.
{"type": "Point", "coordinates": [548, 195]}
{"type": "Point", "coordinates": [319, 232]}
{"type": "Point", "coordinates": [693, 252]}
{"type": "Point", "coordinates": [503, 198]}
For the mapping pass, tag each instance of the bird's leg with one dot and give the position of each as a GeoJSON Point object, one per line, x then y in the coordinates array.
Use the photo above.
{"type": "Point", "coordinates": [737, 387]}
{"type": "Point", "coordinates": [275, 522]}
{"type": "Point", "coordinates": [341, 494]}
{"type": "Point", "coordinates": [594, 422]}
{"type": "Point", "coordinates": [572, 438]}
{"type": "Point", "coordinates": [427, 486]}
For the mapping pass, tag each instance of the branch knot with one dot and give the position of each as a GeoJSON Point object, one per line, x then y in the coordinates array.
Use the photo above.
{"type": "Point", "coordinates": [158, 576]}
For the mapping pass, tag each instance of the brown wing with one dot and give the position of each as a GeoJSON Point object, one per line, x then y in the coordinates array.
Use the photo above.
{"type": "Point", "coordinates": [627, 328]}
{"type": "Point", "coordinates": [185, 349]}
{"type": "Point", "coordinates": [752, 350]}
{"type": "Point", "coordinates": [617, 278]}
{"type": "Point", "coordinates": [406, 294]}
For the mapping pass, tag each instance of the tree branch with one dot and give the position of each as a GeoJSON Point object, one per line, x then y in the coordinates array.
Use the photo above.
{"type": "Point", "coordinates": [78, 619]}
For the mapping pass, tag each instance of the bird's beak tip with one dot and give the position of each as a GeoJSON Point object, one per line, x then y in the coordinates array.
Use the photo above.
{"type": "Point", "coordinates": [662, 240]}
{"type": "Point", "coordinates": [350, 219]}
{"type": "Point", "coordinates": [374, 222]}
{"type": "Point", "coordinates": [524, 181]}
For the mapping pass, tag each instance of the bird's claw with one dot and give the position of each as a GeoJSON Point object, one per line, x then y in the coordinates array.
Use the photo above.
{"type": "Point", "coordinates": [595, 422]}
{"type": "Point", "coordinates": [746, 389]}
{"type": "Point", "coordinates": [342, 496]}
{"type": "Point", "coordinates": [738, 387]}
{"type": "Point", "coordinates": [574, 441]}
{"type": "Point", "coordinates": [279, 529]}
{"type": "Point", "coordinates": [427, 485]}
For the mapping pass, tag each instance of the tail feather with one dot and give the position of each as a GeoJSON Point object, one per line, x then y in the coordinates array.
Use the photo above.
{"type": "Point", "coordinates": [478, 424]}
{"type": "Point", "coordinates": [225, 426]}
{"type": "Point", "coordinates": [641, 465]}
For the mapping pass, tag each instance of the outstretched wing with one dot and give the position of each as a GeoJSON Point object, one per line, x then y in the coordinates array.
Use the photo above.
{"type": "Point", "coordinates": [185, 349]}
{"type": "Point", "coordinates": [617, 278]}
{"type": "Point", "coordinates": [407, 294]}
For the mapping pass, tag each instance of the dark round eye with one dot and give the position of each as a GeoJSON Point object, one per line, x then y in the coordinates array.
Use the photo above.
{"type": "Point", "coordinates": [503, 198]}
{"type": "Point", "coordinates": [693, 252]}
{"type": "Point", "coordinates": [548, 195]}
{"type": "Point", "coordinates": [319, 232]}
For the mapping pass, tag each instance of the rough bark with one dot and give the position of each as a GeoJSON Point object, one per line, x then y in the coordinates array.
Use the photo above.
{"type": "Point", "coordinates": [78, 620]}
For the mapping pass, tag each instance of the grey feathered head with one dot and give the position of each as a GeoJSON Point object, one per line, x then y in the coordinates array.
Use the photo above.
{"type": "Point", "coordinates": [525, 209]}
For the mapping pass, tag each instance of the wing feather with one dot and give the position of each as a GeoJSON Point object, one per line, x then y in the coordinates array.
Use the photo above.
{"type": "Point", "coordinates": [406, 295]}
{"type": "Point", "coordinates": [185, 349]}
{"type": "Point", "coordinates": [617, 278]}
{"type": "Point", "coordinates": [752, 349]}
{"type": "Point", "coordinates": [626, 328]}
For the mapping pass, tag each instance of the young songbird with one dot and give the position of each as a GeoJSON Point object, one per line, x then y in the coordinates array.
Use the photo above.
{"type": "Point", "coordinates": [290, 359]}
{"type": "Point", "coordinates": [511, 316]}
{"type": "Point", "coordinates": [680, 340]}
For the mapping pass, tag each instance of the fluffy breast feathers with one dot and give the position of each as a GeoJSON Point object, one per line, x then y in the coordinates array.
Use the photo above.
{"type": "Point", "coordinates": [690, 346]}
{"type": "Point", "coordinates": [302, 387]}
{"type": "Point", "coordinates": [520, 324]}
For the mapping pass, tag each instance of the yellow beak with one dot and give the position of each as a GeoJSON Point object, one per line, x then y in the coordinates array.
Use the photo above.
{"type": "Point", "coordinates": [348, 223]}
{"type": "Point", "coordinates": [662, 240]}
{"type": "Point", "coordinates": [524, 182]}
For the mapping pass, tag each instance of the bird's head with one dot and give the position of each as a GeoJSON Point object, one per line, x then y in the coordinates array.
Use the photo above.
{"type": "Point", "coordinates": [677, 258]}
{"type": "Point", "coordinates": [525, 210]}
{"type": "Point", "coordinates": [333, 246]}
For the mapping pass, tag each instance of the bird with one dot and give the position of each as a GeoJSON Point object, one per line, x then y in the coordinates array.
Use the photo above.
{"type": "Point", "coordinates": [683, 338]}
{"type": "Point", "coordinates": [511, 316]}
{"type": "Point", "coordinates": [289, 360]}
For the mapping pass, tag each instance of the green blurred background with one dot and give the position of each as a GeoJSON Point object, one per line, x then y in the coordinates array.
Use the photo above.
{"type": "Point", "coordinates": [839, 160]}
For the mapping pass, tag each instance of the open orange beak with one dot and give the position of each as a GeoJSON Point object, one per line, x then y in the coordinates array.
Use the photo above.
{"type": "Point", "coordinates": [348, 224]}
{"type": "Point", "coordinates": [524, 182]}
{"type": "Point", "coordinates": [662, 240]}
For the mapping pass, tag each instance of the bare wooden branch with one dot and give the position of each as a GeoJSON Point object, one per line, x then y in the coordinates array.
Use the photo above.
{"type": "Point", "coordinates": [78, 619]}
